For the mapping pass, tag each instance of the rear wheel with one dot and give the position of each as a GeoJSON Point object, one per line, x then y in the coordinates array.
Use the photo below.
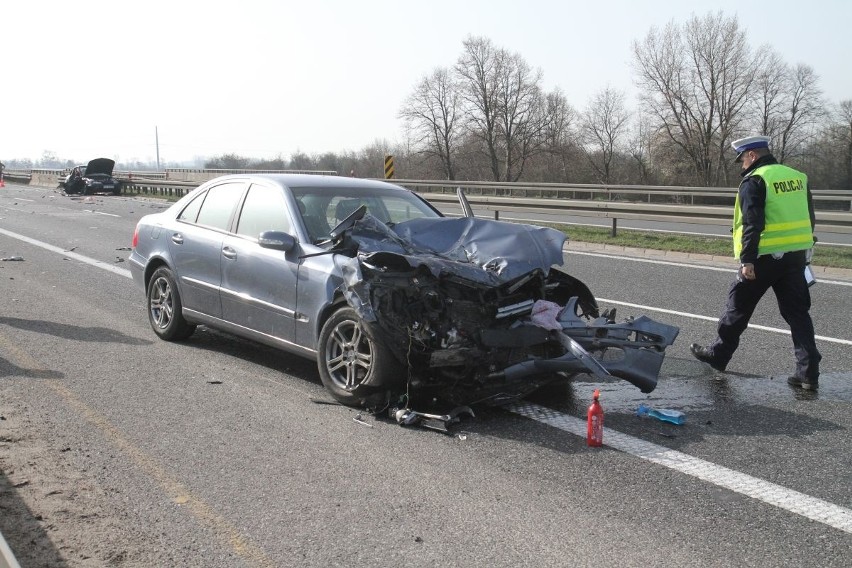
{"type": "Point", "coordinates": [353, 366]}
{"type": "Point", "coordinates": [164, 307]}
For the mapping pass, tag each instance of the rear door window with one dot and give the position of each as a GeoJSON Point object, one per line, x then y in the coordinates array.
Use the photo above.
{"type": "Point", "coordinates": [219, 204]}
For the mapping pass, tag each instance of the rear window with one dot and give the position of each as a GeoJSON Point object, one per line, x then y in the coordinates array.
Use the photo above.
{"type": "Point", "coordinates": [219, 204]}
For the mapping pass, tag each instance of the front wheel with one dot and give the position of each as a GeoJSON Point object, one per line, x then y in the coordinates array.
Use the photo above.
{"type": "Point", "coordinates": [353, 366]}
{"type": "Point", "coordinates": [164, 307]}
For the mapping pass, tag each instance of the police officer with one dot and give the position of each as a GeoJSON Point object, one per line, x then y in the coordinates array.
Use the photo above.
{"type": "Point", "coordinates": [773, 240]}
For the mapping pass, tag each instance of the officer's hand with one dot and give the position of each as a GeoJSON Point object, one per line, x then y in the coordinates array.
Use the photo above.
{"type": "Point", "coordinates": [748, 271]}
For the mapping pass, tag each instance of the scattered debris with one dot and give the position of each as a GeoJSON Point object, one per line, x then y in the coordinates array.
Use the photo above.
{"type": "Point", "coordinates": [119, 259]}
{"type": "Point", "coordinates": [214, 382]}
{"type": "Point", "coordinates": [664, 415]}
{"type": "Point", "coordinates": [439, 422]}
{"type": "Point", "coordinates": [71, 249]}
{"type": "Point", "coordinates": [359, 419]}
{"type": "Point", "coordinates": [120, 248]}
{"type": "Point", "coordinates": [12, 258]}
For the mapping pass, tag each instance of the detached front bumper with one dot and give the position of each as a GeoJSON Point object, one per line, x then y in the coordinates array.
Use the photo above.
{"type": "Point", "coordinates": [632, 350]}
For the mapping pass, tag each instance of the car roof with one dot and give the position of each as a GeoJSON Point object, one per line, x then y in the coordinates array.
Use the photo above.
{"type": "Point", "coordinates": [310, 180]}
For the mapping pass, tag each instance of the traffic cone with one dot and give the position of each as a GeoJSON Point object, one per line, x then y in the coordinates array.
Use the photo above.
{"type": "Point", "coordinates": [2, 183]}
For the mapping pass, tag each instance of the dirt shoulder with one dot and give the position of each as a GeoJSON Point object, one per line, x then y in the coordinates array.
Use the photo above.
{"type": "Point", "coordinates": [51, 513]}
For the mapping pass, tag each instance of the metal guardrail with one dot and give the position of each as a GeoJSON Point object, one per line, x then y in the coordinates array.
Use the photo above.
{"type": "Point", "coordinates": [674, 204]}
{"type": "Point", "coordinates": [693, 205]}
{"type": "Point", "coordinates": [608, 192]}
{"type": "Point", "coordinates": [827, 221]}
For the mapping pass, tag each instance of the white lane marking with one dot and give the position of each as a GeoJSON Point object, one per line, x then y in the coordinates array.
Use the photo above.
{"type": "Point", "coordinates": [101, 213]}
{"type": "Point", "coordinates": [85, 259]}
{"type": "Point", "coordinates": [22, 199]}
{"type": "Point", "coordinates": [708, 318]}
{"type": "Point", "coordinates": [793, 501]}
{"type": "Point", "coordinates": [685, 265]}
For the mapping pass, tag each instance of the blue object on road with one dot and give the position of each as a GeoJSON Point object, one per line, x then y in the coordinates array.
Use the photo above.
{"type": "Point", "coordinates": [673, 416]}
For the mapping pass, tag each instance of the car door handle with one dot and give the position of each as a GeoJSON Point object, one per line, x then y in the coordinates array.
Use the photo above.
{"type": "Point", "coordinates": [177, 239]}
{"type": "Point", "coordinates": [228, 252]}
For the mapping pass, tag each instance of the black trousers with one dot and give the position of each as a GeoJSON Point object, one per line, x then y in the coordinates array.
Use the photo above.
{"type": "Point", "coordinates": [786, 278]}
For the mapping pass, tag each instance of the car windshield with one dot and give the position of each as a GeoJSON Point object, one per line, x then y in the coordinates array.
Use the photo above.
{"type": "Point", "coordinates": [322, 208]}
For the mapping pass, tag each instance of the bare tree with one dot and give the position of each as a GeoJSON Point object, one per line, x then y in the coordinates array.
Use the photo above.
{"type": "Point", "coordinates": [603, 127]}
{"type": "Point", "coordinates": [228, 162]}
{"type": "Point", "coordinates": [478, 68]}
{"type": "Point", "coordinates": [431, 112]}
{"type": "Point", "coordinates": [504, 105]}
{"type": "Point", "coordinates": [522, 113]}
{"type": "Point", "coordinates": [768, 92]}
{"type": "Point", "coordinates": [639, 147]}
{"type": "Point", "coordinates": [804, 109]}
{"type": "Point", "coordinates": [789, 105]}
{"type": "Point", "coordinates": [841, 139]}
{"type": "Point", "coordinates": [558, 133]}
{"type": "Point", "coordinates": [695, 82]}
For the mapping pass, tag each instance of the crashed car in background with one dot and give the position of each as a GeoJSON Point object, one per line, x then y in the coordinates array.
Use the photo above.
{"type": "Point", "coordinates": [392, 299]}
{"type": "Point", "coordinates": [94, 177]}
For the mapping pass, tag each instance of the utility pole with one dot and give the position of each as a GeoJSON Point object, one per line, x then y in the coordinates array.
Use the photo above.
{"type": "Point", "coordinates": [157, 142]}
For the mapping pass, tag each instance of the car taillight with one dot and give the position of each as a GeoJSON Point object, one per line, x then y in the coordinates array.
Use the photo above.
{"type": "Point", "coordinates": [135, 240]}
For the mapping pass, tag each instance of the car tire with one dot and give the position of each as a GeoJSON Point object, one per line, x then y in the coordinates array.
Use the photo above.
{"type": "Point", "coordinates": [117, 189]}
{"type": "Point", "coordinates": [348, 358]}
{"type": "Point", "coordinates": [165, 308]}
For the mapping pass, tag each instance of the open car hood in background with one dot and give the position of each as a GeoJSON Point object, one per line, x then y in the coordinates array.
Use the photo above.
{"type": "Point", "coordinates": [100, 166]}
{"type": "Point", "coordinates": [480, 250]}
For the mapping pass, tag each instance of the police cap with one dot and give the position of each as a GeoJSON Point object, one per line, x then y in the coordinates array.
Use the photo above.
{"type": "Point", "coordinates": [749, 143]}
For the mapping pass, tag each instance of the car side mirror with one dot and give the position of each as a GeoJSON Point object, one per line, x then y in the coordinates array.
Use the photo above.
{"type": "Point", "coordinates": [276, 240]}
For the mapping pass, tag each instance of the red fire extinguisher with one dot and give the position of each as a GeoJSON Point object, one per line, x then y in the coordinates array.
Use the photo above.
{"type": "Point", "coordinates": [595, 417]}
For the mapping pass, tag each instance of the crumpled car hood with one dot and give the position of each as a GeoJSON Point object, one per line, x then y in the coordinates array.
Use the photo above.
{"type": "Point", "coordinates": [100, 166]}
{"type": "Point", "coordinates": [480, 250]}
{"type": "Point", "coordinates": [453, 300]}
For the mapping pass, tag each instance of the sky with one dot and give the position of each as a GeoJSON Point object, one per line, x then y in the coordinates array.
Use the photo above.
{"type": "Point", "coordinates": [268, 78]}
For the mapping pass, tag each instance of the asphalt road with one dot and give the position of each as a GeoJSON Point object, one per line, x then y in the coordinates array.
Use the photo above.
{"type": "Point", "coordinates": [212, 453]}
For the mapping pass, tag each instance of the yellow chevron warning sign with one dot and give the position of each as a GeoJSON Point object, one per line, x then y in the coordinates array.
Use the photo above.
{"type": "Point", "coordinates": [388, 167]}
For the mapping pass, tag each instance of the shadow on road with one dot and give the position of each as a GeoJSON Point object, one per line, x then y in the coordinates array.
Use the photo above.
{"type": "Point", "coordinates": [9, 369]}
{"type": "Point", "coordinates": [75, 332]}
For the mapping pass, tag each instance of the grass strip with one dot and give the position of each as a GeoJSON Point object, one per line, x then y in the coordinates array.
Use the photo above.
{"type": "Point", "coordinates": [824, 255]}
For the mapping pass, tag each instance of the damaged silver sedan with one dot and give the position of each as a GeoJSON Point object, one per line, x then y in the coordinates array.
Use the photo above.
{"type": "Point", "coordinates": [393, 300]}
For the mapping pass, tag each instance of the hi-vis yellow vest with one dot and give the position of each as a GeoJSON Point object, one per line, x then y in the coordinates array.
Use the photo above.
{"type": "Point", "coordinates": [788, 222]}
